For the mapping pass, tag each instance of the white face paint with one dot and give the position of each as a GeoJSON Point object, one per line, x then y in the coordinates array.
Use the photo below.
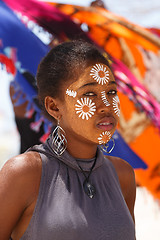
{"type": "Point", "coordinates": [116, 106]}
{"type": "Point", "coordinates": [104, 137]}
{"type": "Point", "coordinates": [85, 108]}
{"type": "Point", "coordinates": [71, 93]}
{"type": "Point", "coordinates": [82, 114]}
{"type": "Point", "coordinates": [104, 99]}
{"type": "Point", "coordinates": [100, 73]}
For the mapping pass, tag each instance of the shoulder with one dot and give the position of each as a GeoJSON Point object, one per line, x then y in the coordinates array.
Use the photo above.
{"type": "Point", "coordinates": [22, 171]}
{"type": "Point", "coordinates": [19, 185]}
{"type": "Point", "coordinates": [126, 177]}
{"type": "Point", "coordinates": [25, 163]}
{"type": "Point", "coordinates": [124, 169]}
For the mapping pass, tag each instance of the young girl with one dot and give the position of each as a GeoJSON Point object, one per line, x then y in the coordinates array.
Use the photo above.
{"type": "Point", "coordinates": [66, 188]}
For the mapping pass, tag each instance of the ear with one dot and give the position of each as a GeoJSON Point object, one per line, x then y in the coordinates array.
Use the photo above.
{"type": "Point", "coordinates": [52, 108]}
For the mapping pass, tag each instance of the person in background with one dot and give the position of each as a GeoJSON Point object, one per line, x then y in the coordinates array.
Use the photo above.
{"type": "Point", "coordinates": [98, 3]}
{"type": "Point", "coordinates": [28, 137]}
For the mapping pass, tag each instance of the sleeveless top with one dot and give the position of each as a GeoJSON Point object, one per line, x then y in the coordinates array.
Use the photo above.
{"type": "Point", "coordinates": [63, 210]}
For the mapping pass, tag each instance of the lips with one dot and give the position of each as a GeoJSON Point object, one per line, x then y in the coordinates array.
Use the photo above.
{"type": "Point", "coordinates": [106, 123]}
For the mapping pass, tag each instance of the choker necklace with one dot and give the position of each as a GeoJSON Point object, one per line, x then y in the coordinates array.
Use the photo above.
{"type": "Point", "coordinates": [89, 188]}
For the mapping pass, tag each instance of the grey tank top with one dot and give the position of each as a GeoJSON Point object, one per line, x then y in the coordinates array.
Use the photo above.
{"type": "Point", "coordinates": [63, 210]}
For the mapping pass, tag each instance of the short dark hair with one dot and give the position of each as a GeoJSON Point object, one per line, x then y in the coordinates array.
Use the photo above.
{"type": "Point", "coordinates": [64, 62]}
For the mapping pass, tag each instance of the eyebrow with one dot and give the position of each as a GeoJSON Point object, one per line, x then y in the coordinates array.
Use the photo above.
{"type": "Point", "coordinates": [88, 84]}
{"type": "Point", "coordinates": [112, 82]}
{"type": "Point", "coordinates": [95, 83]}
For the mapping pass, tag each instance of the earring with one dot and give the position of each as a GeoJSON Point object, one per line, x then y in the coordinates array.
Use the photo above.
{"type": "Point", "coordinates": [59, 142]}
{"type": "Point", "coordinates": [105, 147]}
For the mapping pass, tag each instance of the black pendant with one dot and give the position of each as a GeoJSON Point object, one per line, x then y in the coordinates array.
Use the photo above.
{"type": "Point", "coordinates": [89, 189]}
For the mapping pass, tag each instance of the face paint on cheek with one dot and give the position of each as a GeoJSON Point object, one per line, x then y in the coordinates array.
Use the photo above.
{"type": "Point", "coordinates": [104, 137]}
{"type": "Point", "coordinates": [104, 99]}
{"type": "Point", "coordinates": [85, 108]}
{"type": "Point", "coordinates": [116, 103]}
{"type": "Point", "coordinates": [100, 74]}
{"type": "Point", "coordinates": [71, 93]}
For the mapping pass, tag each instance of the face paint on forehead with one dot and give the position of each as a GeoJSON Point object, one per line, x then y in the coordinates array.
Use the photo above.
{"type": "Point", "coordinates": [104, 99]}
{"type": "Point", "coordinates": [85, 108]}
{"type": "Point", "coordinates": [71, 93]}
{"type": "Point", "coordinates": [116, 103]}
{"type": "Point", "coordinates": [100, 73]}
{"type": "Point", "coordinates": [104, 137]}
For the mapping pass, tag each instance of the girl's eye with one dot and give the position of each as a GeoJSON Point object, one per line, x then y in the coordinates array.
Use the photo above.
{"type": "Point", "coordinates": [90, 94]}
{"type": "Point", "coordinates": [112, 92]}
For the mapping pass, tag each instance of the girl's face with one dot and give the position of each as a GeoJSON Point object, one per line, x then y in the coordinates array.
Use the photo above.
{"type": "Point", "coordinates": [91, 108]}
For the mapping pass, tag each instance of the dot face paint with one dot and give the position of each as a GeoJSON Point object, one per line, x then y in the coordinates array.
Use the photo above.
{"type": "Point", "coordinates": [104, 99]}
{"type": "Point", "coordinates": [100, 73]}
{"type": "Point", "coordinates": [104, 137]}
{"type": "Point", "coordinates": [71, 93]}
{"type": "Point", "coordinates": [116, 103]}
{"type": "Point", "coordinates": [85, 108]}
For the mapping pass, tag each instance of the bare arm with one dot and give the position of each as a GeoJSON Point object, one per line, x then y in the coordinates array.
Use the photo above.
{"type": "Point", "coordinates": [19, 181]}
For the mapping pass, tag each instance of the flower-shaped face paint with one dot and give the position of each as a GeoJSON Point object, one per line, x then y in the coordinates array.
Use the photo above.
{"type": "Point", "coordinates": [116, 106]}
{"type": "Point", "coordinates": [100, 73]}
{"type": "Point", "coordinates": [71, 93]}
{"type": "Point", "coordinates": [104, 137]}
{"type": "Point", "coordinates": [85, 108]}
{"type": "Point", "coordinates": [104, 99]}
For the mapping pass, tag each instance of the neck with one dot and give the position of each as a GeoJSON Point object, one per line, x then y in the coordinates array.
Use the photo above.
{"type": "Point", "coordinates": [81, 150]}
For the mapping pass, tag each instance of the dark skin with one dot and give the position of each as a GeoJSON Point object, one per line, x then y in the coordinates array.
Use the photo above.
{"type": "Point", "coordinates": [20, 177]}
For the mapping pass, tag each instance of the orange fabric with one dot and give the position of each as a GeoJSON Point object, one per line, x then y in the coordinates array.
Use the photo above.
{"type": "Point", "coordinates": [127, 106]}
{"type": "Point", "coordinates": [83, 15]}
{"type": "Point", "coordinates": [147, 146]}
{"type": "Point", "coordinates": [113, 48]}
{"type": "Point", "coordinates": [137, 57]}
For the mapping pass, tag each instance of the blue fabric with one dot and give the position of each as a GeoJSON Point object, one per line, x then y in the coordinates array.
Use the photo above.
{"type": "Point", "coordinates": [14, 34]}
{"type": "Point", "coordinates": [29, 49]}
{"type": "Point", "coordinates": [123, 151]}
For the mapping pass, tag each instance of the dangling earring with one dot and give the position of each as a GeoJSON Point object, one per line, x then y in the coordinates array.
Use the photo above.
{"type": "Point", "coordinates": [105, 147]}
{"type": "Point", "coordinates": [59, 142]}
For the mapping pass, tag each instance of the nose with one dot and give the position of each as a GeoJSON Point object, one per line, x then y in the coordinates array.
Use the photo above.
{"type": "Point", "coordinates": [104, 105]}
{"type": "Point", "coordinates": [104, 109]}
